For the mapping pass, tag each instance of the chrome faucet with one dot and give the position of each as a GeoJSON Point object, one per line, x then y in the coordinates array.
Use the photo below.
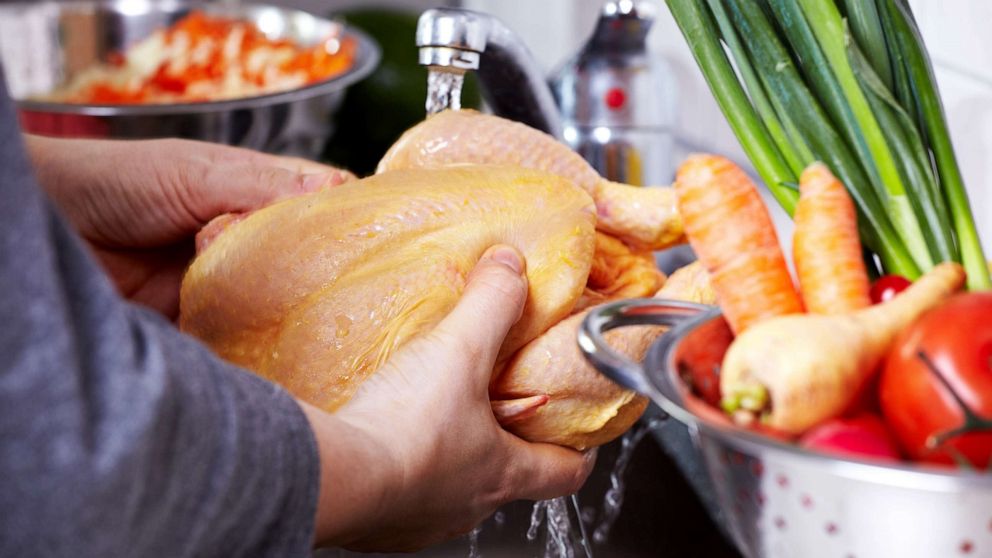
{"type": "Point", "coordinates": [612, 102]}
{"type": "Point", "coordinates": [454, 40]}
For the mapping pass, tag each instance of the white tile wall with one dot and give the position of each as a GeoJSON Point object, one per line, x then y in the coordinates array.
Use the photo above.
{"type": "Point", "coordinates": [955, 31]}
{"type": "Point", "coordinates": [957, 35]}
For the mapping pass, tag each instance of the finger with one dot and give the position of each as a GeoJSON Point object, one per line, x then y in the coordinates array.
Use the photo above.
{"type": "Point", "coordinates": [545, 471]}
{"type": "Point", "coordinates": [323, 181]}
{"type": "Point", "coordinates": [228, 155]}
{"type": "Point", "coordinates": [492, 302]}
{"type": "Point", "coordinates": [306, 166]}
{"type": "Point", "coordinates": [248, 186]}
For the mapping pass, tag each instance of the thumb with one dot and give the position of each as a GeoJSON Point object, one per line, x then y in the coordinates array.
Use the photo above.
{"type": "Point", "coordinates": [492, 302]}
{"type": "Point", "coordinates": [546, 471]}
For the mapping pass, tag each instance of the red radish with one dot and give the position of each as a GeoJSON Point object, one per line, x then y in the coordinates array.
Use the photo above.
{"type": "Point", "coordinates": [862, 436]}
{"type": "Point", "coordinates": [887, 287]}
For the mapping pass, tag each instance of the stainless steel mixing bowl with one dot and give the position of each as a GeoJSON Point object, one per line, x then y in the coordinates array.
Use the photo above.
{"type": "Point", "coordinates": [44, 44]}
{"type": "Point", "coordinates": [776, 499]}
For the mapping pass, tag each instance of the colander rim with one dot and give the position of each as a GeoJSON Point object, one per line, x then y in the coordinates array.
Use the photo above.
{"type": "Point", "coordinates": [662, 375]}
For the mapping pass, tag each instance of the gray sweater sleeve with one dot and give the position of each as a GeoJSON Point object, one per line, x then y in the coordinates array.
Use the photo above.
{"type": "Point", "coordinates": [119, 436]}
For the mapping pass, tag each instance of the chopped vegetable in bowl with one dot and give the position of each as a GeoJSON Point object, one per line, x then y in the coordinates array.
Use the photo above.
{"type": "Point", "coordinates": [206, 58]}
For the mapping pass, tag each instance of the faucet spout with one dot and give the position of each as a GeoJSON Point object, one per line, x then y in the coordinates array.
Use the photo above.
{"type": "Point", "coordinates": [455, 41]}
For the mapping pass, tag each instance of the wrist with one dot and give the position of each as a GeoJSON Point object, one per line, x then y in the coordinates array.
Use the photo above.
{"type": "Point", "coordinates": [357, 476]}
{"type": "Point", "coordinates": [75, 173]}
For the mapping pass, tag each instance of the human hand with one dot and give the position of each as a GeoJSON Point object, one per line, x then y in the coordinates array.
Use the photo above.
{"type": "Point", "coordinates": [417, 455]}
{"type": "Point", "coordinates": [140, 203]}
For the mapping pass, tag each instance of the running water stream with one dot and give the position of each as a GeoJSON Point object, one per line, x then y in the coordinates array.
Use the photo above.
{"type": "Point", "coordinates": [564, 524]}
{"type": "Point", "coordinates": [444, 89]}
{"type": "Point", "coordinates": [613, 499]}
{"type": "Point", "coordinates": [473, 543]}
{"type": "Point", "coordinates": [565, 533]}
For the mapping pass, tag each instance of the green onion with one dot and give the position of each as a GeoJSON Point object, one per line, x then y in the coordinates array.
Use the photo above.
{"type": "Point", "coordinates": [921, 78]}
{"type": "Point", "coordinates": [907, 145]}
{"type": "Point", "coordinates": [784, 82]}
{"type": "Point", "coordinates": [698, 26]}
{"type": "Point", "coordinates": [827, 25]}
{"type": "Point", "coordinates": [756, 92]}
{"type": "Point", "coordinates": [849, 83]}
{"type": "Point", "coordinates": [866, 27]}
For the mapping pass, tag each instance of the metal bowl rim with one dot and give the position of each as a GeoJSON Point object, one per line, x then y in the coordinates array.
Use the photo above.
{"type": "Point", "coordinates": [365, 62]}
{"type": "Point", "coordinates": [662, 353]}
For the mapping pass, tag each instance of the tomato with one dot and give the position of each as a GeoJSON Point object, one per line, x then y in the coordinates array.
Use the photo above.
{"type": "Point", "coordinates": [864, 435]}
{"type": "Point", "coordinates": [699, 363]}
{"type": "Point", "coordinates": [936, 385]}
{"type": "Point", "coordinates": [866, 399]}
{"type": "Point", "coordinates": [887, 287]}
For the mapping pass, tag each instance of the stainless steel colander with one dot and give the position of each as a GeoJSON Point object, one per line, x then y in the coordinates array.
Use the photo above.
{"type": "Point", "coordinates": [778, 500]}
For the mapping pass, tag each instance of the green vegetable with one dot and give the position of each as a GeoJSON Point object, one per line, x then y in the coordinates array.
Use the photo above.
{"type": "Point", "coordinates": [699, 28]}
{"type": "Point", "coordinates": [847, 82]}
{"type": "Point", "coordinates": [910, 44]}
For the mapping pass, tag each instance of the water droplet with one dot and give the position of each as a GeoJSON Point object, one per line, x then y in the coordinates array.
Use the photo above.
{"type": "Point", "coordinates": [588, 514]}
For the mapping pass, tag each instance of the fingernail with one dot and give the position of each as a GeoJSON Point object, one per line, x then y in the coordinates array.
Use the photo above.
{"type": "Point", "coordinates": [508, 257]}
{"type": "Point", "coordinates": [314, 182]}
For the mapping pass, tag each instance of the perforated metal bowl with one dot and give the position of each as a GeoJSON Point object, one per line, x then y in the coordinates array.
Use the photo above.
{"type": "Point", "coordinates": [776, 499]}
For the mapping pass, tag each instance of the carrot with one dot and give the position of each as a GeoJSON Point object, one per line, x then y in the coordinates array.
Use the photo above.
{"type": "Point", "coordinates": [731, 232]}
{"type": "Point", "coordinates": [825, 246]}
{"type": "Point", "coordinates": [797, 371]}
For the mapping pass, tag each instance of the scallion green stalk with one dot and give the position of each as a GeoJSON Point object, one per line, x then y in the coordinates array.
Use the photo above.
{"type": "Point", "coordinates": [866, 27]}
{"type": "Point", "coordinates": [783, 82]}
{"type": "Point", "coordinates": [921, 77]}
{"type": "Point", "coordinates": [827, 25]}
{"type": "Point", "coordinates": [700, 31]}
{"type": "Point", "coordinates": [846, 82]}
{"type": "Point", "coordinates": [756, 91]}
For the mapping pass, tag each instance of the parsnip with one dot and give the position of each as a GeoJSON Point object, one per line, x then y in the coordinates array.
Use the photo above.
{"type": "Point", "coordinates": [798, 370]}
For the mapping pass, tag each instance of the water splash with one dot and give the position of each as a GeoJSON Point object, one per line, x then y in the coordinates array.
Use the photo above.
{"type": "Point", "coordinates": [564, 520]}
{"type": "Point", "coordinates": [473, 543]}
{"type": "Point", "coordinates": [613, 499]}
{"type": "Point", "coordinates": [444, 89]}
{"type": "Point", "coordinates": [565, 536]}
{"type": "Point", "coordinates": [536, 518]}
{"type": "Point", "coordinates": [583, 537]}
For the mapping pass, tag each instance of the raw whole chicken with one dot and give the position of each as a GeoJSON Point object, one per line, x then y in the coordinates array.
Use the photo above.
{"type": "Point", "coordinates": [645, 218]}
{"type": "Point", "coordinates": [317, 291]}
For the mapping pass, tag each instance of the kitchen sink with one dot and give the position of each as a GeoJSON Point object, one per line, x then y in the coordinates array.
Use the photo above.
{"type": "Point", "coordinates": [661, 515]}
